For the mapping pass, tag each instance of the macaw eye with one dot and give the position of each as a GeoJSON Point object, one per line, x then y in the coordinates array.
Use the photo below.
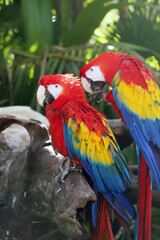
{"type": "Point", "coordinates": [95, 74]}
{"type": "Point", "coordinates": [55, 89]}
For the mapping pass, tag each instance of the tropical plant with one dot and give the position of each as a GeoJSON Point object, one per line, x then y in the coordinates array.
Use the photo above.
{"type": "Point", "coordinates": [40, 37]}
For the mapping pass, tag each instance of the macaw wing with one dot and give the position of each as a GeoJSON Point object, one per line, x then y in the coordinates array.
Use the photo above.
{"type": "Point", "coordinates": [88, 137]}
{"type": "Point", "coordinates": [140, 108]}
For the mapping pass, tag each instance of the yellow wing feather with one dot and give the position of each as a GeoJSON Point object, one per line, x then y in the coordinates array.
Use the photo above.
{"type": "Point", "coordinates": [90, 144]}
{"type": "Point", "coordinates": [146, 104]}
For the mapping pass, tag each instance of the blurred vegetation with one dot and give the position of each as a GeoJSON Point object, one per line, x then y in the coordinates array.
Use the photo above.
{"type": "Point", "coordinates": [40, 37]}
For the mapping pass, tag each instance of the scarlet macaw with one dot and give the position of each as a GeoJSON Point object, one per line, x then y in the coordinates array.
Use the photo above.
{"type": "Point", "coordinates": [136, 98]}
{"type": "Point", "coordinates": [80, 132]}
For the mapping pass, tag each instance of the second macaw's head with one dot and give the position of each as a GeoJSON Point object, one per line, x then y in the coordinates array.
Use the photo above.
{"type": "Point", "coordinates": [56, 90]}
{"type": "Point", "coordinates": [100, 71]}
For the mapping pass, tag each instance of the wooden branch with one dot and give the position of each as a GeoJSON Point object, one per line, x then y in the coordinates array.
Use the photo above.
{"type": "Point", "coordinates": [59, 55]}
{"type": "Point", "coordinates": [28, 190]}
{"type": "Point", "coordinates": [121, 132]}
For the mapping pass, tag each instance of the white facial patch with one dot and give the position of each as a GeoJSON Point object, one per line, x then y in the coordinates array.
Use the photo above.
{"type": "Point", "coordinates": [55, 90]}
{"type": "Point", "coordinates": [86, 85]}
{"type": "Point", "coordinates": [95, 74]}
{"type": "Point", "coordinates": [41, 95]}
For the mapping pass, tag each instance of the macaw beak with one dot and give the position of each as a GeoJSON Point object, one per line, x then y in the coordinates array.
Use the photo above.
{"type": "Point", "coordinates": [92, 86]}
{"type": "Point", "coordinates": [49, 99]}
{"type": "Point", "coordinates": [41, 95]}
{"type": "Point", "coordinates": [44, 96]}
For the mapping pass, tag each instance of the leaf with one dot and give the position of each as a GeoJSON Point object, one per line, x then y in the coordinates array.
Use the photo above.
{"type": "Point", "coordinates": [66, 17]}
{"type": "Point", "coordinates": [90, 18]}
{"type": "Point", "coordinates": [53, 68]}
{"type": "Point", "coordinates": [4, 101]}
{"type": "Point", "coordinates": [138, 30]}
{"type": "Point", "coordinates": [37, 17]}
{"type": "Point", "coordinates": [61, 67]}
{"type": "Point", "coordinates": [138, 48]}
{"type": "Point", "coordinates": [19, 85]}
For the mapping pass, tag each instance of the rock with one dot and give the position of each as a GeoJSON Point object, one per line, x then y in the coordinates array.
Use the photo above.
{"type": "Point", "coordinates": [24, 112]}
{"type": "Point", "coordinates": [28, 190]}
{"type": "Point", "coordinates": [15, 138]}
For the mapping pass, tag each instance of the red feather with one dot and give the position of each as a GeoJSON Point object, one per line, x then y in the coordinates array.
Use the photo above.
{"type": "Point", "coordinates": [103, 222]}
{"type": "Point", "coordinates": [109, 98]}
{"type": "Point", "coordinates": [72, 100]}
{"type": "Point", "coordinates": [144, 202]}
{"type": "Point", "coordinates": [132, 72]}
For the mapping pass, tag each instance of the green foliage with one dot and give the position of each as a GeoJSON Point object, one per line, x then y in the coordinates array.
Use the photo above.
{"type": "Point", "coordinates": [138, 28]}
{"type": "Point", "coordinates": [87, 21]}
{"type": "Point", "coordinates": [40, 37]}
{"type": "Point", "coordinates": [30, 41]}
{"type": "Point", "coordinates": [38, 26]}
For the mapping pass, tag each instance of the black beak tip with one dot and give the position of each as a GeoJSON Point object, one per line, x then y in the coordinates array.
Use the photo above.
{"type": "Point", "coordinates": [97, 85]}
{"type": "Point", "coordinates": [49, 99]}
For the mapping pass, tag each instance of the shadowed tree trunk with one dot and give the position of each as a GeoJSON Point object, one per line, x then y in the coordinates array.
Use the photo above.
{"type": "Point", "coordinates": [28, 190]}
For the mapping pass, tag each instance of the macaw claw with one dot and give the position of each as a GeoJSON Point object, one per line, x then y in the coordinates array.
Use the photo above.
{"type": "Point", "coordinates": [96, 93]}
{"type": "Point", "coordinates": [65, 168]}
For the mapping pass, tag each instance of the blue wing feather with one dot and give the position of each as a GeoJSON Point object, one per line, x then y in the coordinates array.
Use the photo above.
{"type": "Point", "coordinates": [122, 168]}
{"type": "Point", "coordinates": [150, 151]}
{"type": "Point", "coordinates": [109, 179]}
{"type": "Point", "coordinates": [146, 134]}
{"type": "Point", "coordinates": [126, 204]}
{"type": "Point", "coordinates": [68, 140]}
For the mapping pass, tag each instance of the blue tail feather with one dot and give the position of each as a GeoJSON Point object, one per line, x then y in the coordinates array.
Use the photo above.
{"type": "Point", "coordinates": [119, 203]}
{"type": "Point", "coordinates": [150, 151]}
{"type": "Point", "coordinates": [117, 206]}
{"type": "Point", "coordinates": [126, 204]}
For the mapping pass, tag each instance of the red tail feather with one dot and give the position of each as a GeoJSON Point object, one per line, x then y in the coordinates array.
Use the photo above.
{"type": "Point", "coordinates": [144, 201]}
{"type": "Point", "coordinates": [123, 222]}
{"type": "Point", "coordinates": [103, 222]}
{"type": "Point", "coordinates": [148, 206]}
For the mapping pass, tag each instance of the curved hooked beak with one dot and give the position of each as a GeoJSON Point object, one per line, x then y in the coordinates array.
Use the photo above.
{"type": "Point", "coordinates": [92, 86]}
{"type": "Point", "coordinates": [44, 96]}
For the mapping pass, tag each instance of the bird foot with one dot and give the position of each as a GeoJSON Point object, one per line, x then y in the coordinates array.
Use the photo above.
{"type": "Point", "coordinates": [65, 168]}
{"type": "Point", "coordinates": [96, 93]}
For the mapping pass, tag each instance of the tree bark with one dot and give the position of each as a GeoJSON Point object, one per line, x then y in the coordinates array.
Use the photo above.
{"type": "Point", "coordinates": [28, 190]}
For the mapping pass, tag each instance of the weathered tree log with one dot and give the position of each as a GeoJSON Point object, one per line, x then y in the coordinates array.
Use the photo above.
{"type": "Point", "coordinates": [27, 185]}
{"type": "Point", "coordinates": [121, 132]}
{"type": "Point", "coordinates": [28, 190]}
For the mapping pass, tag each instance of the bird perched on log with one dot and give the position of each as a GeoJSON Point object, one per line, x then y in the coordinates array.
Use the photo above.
{"type": "Point", "coordinates": [81, 133]}
{"type": "Point", "coordinates": [135, 97]}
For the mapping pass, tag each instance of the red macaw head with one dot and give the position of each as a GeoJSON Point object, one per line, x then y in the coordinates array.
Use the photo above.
{"type": "Point", "coordinates": [59, 88]}
{"type": "Point", "coordinates": [100, 71]}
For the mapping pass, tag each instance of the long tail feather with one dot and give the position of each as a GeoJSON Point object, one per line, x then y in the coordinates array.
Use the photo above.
{"type": "Point", "coordinates": [103, 222]}
{"type": "Point", "coordinates": [123, 222]}
{"type": "Point", "coordinates": [143, 224]}
{"type": "Point", "coordinates": [101, 213]}
{"type": "Point", "coordinates": [126, 204]}
{"type": "Point", "coordinates": [101, 217]}
{"type": "Point", "coordinates": [148, 206]}
{"type": "Point", "coordinates": [118, 206]}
